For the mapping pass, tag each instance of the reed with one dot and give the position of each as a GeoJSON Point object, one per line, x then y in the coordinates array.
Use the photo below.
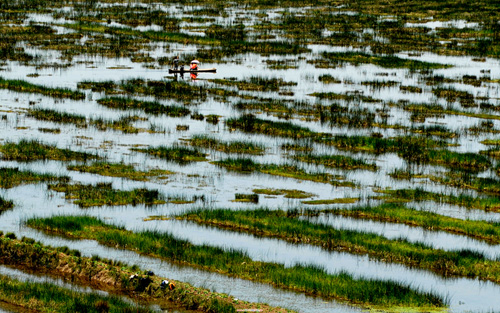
{"type": "Point", "coordinates": [119, 170]}
{"type": "Point", "coordinates": [103, 194]}
{"type": "Point", "coordinates": [285, 225]}
{"type": "Point", "coordinates": [30, 150]}
{"type": "Point", "coordinates": [11, 177]}
{"type": "Point", "coordinates": [308, 279]}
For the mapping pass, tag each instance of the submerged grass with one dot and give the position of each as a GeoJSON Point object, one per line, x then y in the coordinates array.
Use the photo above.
{"type": "Point", "coordinates": [285, 225]}
{"type": "Point", "coordinates": [396, 213]}
{"type": "Point", "coordinates": [290, 171]}
{"type": "Point", "coordinates": [309, 279]}
{"type": "Point", "coordinates": [11, 177]}
{"type": "Point", "coordinates": [23, 86]}
{"type": "Point", "coordinates": [30, 150]}
{"type": "Point", "coordinates": [179, 155]}
{"type": "Point", "coordinates": [119, 170]}
{"type": "Point", "coordinates": [242, 147]}
{"type": "Point", "coordinates": [104, 194]}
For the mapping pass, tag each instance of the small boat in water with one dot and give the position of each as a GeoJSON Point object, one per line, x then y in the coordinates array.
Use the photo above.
{"type": "Point", "coordinates": [199, 70]}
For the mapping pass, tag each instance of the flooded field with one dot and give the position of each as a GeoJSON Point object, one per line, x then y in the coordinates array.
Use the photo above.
{"type": "Point", "coordinates": [342, 158]}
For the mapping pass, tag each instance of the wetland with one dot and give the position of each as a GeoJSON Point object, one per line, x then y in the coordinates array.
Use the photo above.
{"type": "Point", "coordinates": [343, 157]}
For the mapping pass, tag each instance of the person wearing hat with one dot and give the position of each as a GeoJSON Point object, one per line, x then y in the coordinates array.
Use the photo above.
{"type": "Point", "coordinates": [194, 65]}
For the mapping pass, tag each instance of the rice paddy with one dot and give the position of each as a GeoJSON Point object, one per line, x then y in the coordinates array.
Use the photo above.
{"type": "Point", "coordinates": [380, 115]}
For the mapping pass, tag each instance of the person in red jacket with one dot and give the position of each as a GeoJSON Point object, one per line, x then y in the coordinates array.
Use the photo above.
{"type": "Point", "coordinates": [194, 65]}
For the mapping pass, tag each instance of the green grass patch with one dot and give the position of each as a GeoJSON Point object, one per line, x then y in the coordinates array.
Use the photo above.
{"type": "Point", "coordinates": [241, 197]}
{"type": "Point", "coordinates": [251, 124]}
{"type": "Point", "coordinates": [418, 194]}
{"type": "Point", "coordinates": [5, 205]}
{"type": "Point", "coordinates": [308, 279]}
{"type": "Point", "coordinates": [331, 201]}
{"type": "Point", "coordinates": [255, 83]}
{"type": "Point", "coordinates": [290, 171]}
{"type": "Point", "coordinates": [30, 150]}
{"type": "Point", "coordinates": [179, 155]}
{"type": "Point", "coordinates": [397, 213]}
{"type": "Point", "coordinates": [119, 170]}
{"type": "Point", "coordinates": [23, 86]}
{"type": "Point", "coordinates": [489, 186]}
{"type": "Point", "coordinates": [286, 226]}
{"type": "Point", "coordinates": [241, 147]}
{"type": "Point", "coordinates": [492, 142]}
{"type": "Point", "coordinates": [289, 193]}
{"type": "Point", "coordinates": [336, 161]}
{"type": "Point", "coordinates": [104, 194]}
{"type": "Point", "coordinates": [390, 61]}
{"type": "Point", "coordinates": [150, 107]}
{"type": "Point", "coordinates": [11, 177]}
{"type": "Point", "coordinates": [58, 117]}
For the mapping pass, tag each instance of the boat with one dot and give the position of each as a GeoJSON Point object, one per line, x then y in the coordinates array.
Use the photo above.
{"type": "Point", "coordinates": [200, 70]}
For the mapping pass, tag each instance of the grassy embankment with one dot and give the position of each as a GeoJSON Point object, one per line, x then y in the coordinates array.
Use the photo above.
{"type": "Point", "coordinates": [109, 275]}
{"type": "Point", "coordinates": [308, 279]}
